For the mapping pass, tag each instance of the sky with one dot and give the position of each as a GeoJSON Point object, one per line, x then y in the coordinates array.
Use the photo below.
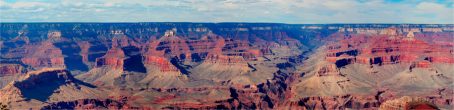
{"type": "Point", "coordinates": [275, 11]}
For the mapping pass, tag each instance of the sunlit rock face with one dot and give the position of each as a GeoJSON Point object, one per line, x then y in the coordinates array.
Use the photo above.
{"type": "Point", "coordinates": [225, 66]}
{"type": "Point", "coordinates": [388, 49]}
{"type": "Point", "coordinates": [46, 85]}
{"type": "Point", "coordinates": [114, 58]}
{"type": "Point", "coordinates": [44, 54]}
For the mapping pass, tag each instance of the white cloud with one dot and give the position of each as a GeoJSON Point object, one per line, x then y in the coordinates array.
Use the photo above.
{"type": "Point", "coordinates": [287, 11]}
{"type": "Point", "coordinates": [27, 5]}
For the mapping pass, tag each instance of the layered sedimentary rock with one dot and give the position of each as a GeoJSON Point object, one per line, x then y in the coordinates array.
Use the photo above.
{"type": "Point", "coordinates": [88, 104]}
{"type": "Point", "coordinates": [10, 72]}
{"type": "Point", "coordinates": [10, 69]}
{"type": "Point", "coordinates": [160, 52]}
{"type": "Point", "coordinates": [46, 85]}
{"type": "Point", "coordinates": [84, 49]}
{"type": "Point", "coordinates": [43, 55]}
{"type": "Point", "coordinates": [162, 63]}
{"type": "Point", "coordinates": [224, 65]}
{"type": "Point", "coordinates": [226, 54]}
{"type": "Point", "coordinates": [407, 103]}
{"type": "Point", "coordinates": [201, 47]}
{"type": "Point", "coordinates": [121, 40]}
{"type": "Point", "coordinates": [393, 63]}
{"type": "Point", "coordinates": [388, 49]}
{"type": "Point", "coordinates": [114, 58]}
{"type": "Point", "coordinates": [170, 46]}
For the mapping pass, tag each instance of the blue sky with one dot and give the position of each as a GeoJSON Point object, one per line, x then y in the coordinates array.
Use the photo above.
{"type": "Point", "coordinates": [279, 11]}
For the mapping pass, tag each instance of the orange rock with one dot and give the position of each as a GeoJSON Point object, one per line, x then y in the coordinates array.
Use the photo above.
{"type": "Point", "coordinates": [114, 58]}
{"type": "Point", "coordinates": [388, 48]}
{"type": "Point", "coordinates": [162, 63]}
{"type": "Point", "coordinates": [43, 55]}
{"type": "Point", "coordinates": [423, 64]}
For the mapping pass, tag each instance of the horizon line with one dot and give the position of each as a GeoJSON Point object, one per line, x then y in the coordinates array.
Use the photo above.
{"type": "Point", "coordinates": [227, 22]}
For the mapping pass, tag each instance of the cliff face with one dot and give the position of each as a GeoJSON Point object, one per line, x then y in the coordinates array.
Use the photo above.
{"type": "Point", "coordinates": [46, 85]}
{"type": "Point", "coordinates": [392, 63]}
{"type": "Point", "coordinates": [43, 55]}
{"type": "Point", "coordinates": [388, 49]}
{"type": "Point", "coordinates": [10, 72]}
{"type": "Point", "coordinates": [225, 65]}
{"type": "Point", "coordinates": [11, 69]}
{"type": "Point", "coordinates": [114, 59]}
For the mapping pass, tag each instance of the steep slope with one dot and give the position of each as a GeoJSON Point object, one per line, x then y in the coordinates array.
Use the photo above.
{"type": "Point", "coordinates": [10, 72]}
{"type": "Point", "coordinates": [224, 65]}
{"type": "Point", "coordinates": [43, 55]}
{"type": "Point", "coordinates": [390, 65]}
{"type": "Point", "coordinates": [159, 68]}
{"type": "Point", "coordinates": [322, 78]}
{"type": "Point", "coordinates": [107, 68]}
{"type": "Point", "coordinates": [46, 86]}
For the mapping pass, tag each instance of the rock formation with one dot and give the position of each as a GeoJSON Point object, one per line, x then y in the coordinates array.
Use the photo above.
{"type": "Point", "coordinates": [10, 69]}
{"type": "Point", "coordinates": [43, 55]}
{"type": "Point", "coordinates": [46, 85]}
{"type": "Point", "coordinates": [225, 65]}
{"type": "Point", "coordinates": [407, 103]}
{"type": "Point", "coordinates": [114, 58]}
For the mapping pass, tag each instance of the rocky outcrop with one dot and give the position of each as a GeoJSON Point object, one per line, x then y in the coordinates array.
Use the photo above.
{"type": "Point", "coordinates": [407, 103]}
{"type": "Point", "coordinates": [339, 102]}
{"type": "Point", "coordinates": [226, 60]}
{"type": "Point", "coordinates": [162, 63]}
{"type": "Point", "coordinates": [239, 48]}
{"type": "Point", "coordinates": [84, 50]}
{"type": "Point", "coordinates": [114, 58]}
{"type": "Point", "coordinates": [200, 48]}
{"type": "Point", "coordinates": [88, 104]}
{"type": "Point", "coordinates": [389, 48]}
{"type": "Point", "coordinates": [224, 65]}
{"type": "Point", "coordinates": [11, 69]}
{"type": "Point", "coordinates": [121, 40]}
{"type": "Point", "coordinates": [54, 35]}
{"type": "Point", "coordinates": [10, 72]}
{"type": "Point", "coordinates": [327, 70]}
{"type": "Point", "coordinates": [43, 55]}
{"type": "Point", "coordinates": [46, 85]}
{"type": "Point", "coordinates": [170, 46]}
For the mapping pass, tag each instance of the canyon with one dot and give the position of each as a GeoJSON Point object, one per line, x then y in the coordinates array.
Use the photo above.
{"type": "Point", "coordinates": [226, 66]}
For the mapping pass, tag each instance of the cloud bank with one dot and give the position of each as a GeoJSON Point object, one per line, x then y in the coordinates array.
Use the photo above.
{"type": "Point", "coordinates": [279, 11]}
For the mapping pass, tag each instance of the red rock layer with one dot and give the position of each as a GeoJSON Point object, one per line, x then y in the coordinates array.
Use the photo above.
{"type": "Point", "coordinates": [170, 46]}
{"type": "Point", "coordinates": [217, 54]}
{"type": "Point", "coordinates": [205, 45]}
{"type": "Point", "coordinates": [122, 40]}
{"type": "Point", "coordinates": [84, 49]}
{"type": "Point", "coordinates": [162, 63]}
{"type": "Point", "coordinates": [43, 55]}
{"type": "Point", "coordinates": [240, 48]}
{"type": "Point", "coordinates": [210, 48]}
{"type": "Point", "coordinates": [114, 58]}
{"type": "Point", "coordinates": [327, 70]}
{"type": "Point", "coordinates": [88, 104]}
{"type": "Point", "coordinates": [422, 64]}
{"type": "Point", "coordinates": [225, 60]}
{"type": "Point", "coordinates": [10, 69]}
{"type": "Point", "coordinates": [389, 49]}
{"type": "Point", "coordinates": [339, 102]}
{"type": "Point", "coordinates": [407, 103]}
